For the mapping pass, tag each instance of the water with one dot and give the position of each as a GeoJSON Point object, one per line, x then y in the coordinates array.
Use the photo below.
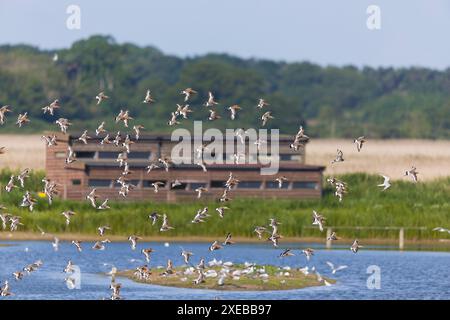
{"type": "Point", "coordinates": [404, 275]}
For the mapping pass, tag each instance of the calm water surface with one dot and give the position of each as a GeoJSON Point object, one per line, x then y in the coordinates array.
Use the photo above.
{"type": "Point", "coordinates": [404, 275]}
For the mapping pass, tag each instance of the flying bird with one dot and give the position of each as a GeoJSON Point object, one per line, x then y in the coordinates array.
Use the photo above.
{"type": "Point", "coordinates": [359, 142]}
{"type": "Point", "coordinates": [262, 103]}
{"type": "Point", "coordinates": [100, 97]}
{"type": "Point", "coordinates": [148, 98]}
{"type": "Point", "coordinates": [355, 246]}
{"type": "Point", "coordinates": [339, 157]}
{"type": "Point", "coordinates": [286, 253]}
{"type": "Point", "coordinates": [210, 102]}
{"type": "Point", "coordinates": [133, 239]}
{"type": "Point", "coordinates": [3, 111]}
{"type": "Point", "coordinates": [386, 183]}
{"type": "Point", "coordinates": [188, 92]}
{"type": "Point", "coordinates": [266, 117]}
{"type": "Point", "coordinates": [412, 173]}
{"type": "Point", "coordinates": [335, 269]}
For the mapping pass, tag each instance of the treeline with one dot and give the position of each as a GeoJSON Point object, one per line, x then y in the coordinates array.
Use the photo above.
{"type": "Point", "coordinates": [328, 101]}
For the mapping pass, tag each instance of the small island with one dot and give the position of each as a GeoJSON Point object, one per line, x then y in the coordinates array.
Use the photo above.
{"type": "Point", "coordinates": [272, 278]}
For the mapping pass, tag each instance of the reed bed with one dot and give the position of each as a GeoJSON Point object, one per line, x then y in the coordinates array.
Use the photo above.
{"type": "Point", "coordinates": [405, 204]}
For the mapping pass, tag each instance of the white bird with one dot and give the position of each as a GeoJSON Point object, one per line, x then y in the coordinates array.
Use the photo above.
{"type": "Point", "coordinates": [386, 183]}
{"type": "Point", "coordinates": [440, 229]}
{"type": "Point", "coordinates": [333, 269]}
{"type": "Point", "coordinates": [55, 243]}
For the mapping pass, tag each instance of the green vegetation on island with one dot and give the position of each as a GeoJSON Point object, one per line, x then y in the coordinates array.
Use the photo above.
{"type": "Point", "coordinates": [276, 279]}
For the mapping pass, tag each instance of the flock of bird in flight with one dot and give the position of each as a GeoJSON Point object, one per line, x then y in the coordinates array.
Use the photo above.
{"type": "Point", "coordinates": [183, 110]}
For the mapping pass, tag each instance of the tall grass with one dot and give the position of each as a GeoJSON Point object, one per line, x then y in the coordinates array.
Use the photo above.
{"type": "Point", "coordinates": [425, 204]}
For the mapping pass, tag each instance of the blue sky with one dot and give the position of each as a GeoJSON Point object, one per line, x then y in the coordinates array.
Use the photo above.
{"type": "Point", "coordinates": [413, 32]}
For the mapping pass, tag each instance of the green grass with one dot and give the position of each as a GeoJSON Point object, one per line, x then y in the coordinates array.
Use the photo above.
{"type": "Point", "coordinates": [405, 204]}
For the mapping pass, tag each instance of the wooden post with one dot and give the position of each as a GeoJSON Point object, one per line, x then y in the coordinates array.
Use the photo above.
{"type": "Point", "coordinates": [328, 245]}
{"type": "Point", "coordinates": [65, 192]}
{"type": "Point", "coordinates": [401, 239]}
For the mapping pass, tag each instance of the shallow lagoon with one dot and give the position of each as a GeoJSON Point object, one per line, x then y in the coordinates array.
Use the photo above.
{"type": "Point", "coordinates": [404, 274]}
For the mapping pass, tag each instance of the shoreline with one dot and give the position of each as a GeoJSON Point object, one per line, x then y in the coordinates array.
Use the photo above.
{"type": "Point", "coordinates": [442, 244]}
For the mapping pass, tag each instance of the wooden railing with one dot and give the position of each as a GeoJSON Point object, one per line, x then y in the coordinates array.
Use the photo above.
{"type": "Point", "coordinates": [401, 232]}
